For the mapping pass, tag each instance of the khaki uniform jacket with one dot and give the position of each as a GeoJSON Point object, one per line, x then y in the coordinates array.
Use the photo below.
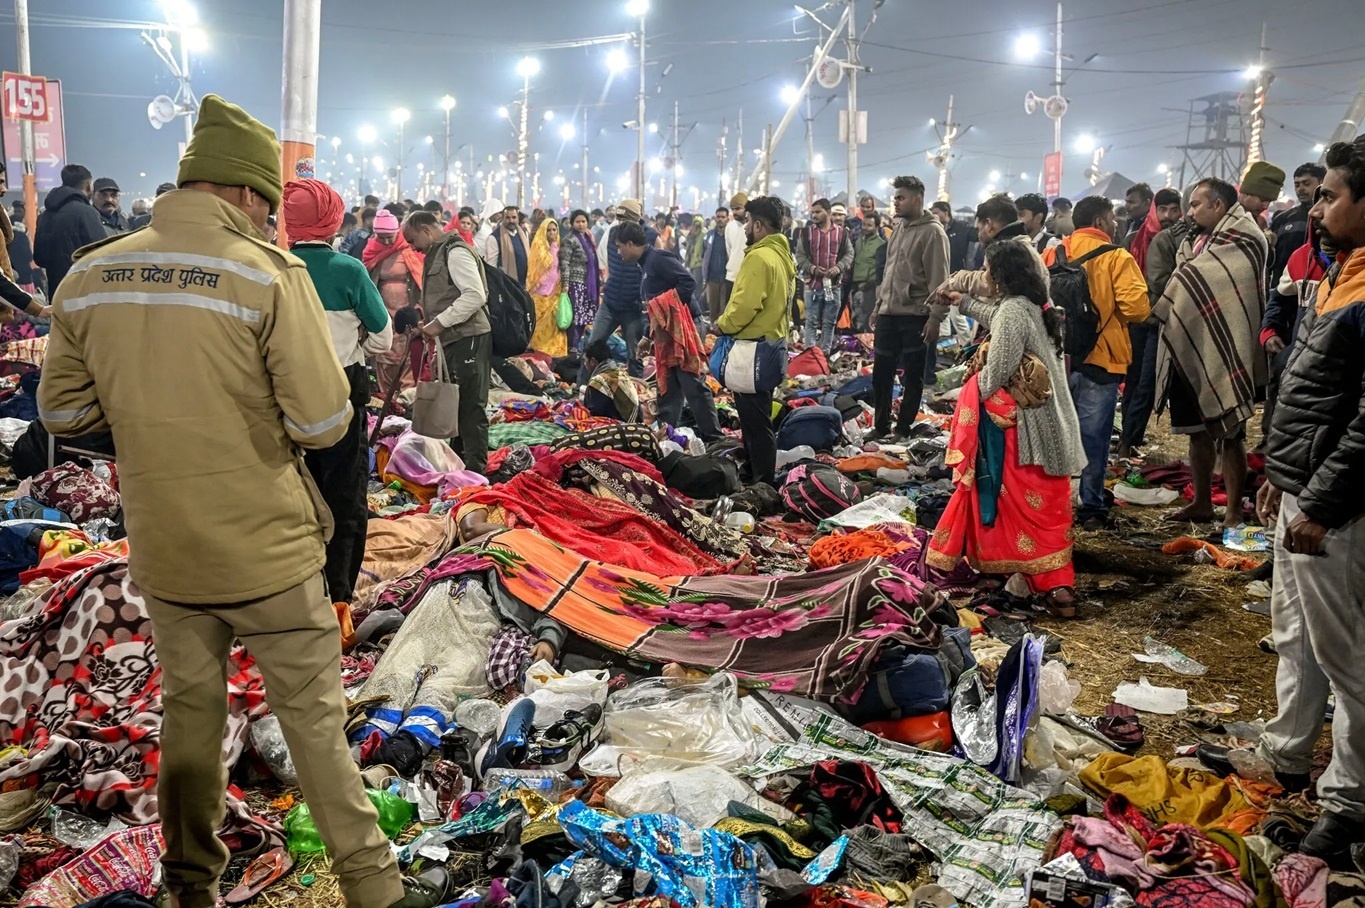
{"type": "Point", "coordinates": [206, 353]}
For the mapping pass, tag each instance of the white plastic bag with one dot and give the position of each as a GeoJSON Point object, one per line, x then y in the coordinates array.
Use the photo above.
{"type": "Point", "coordinates": [696, 722]}
{"type": "Point", "coordinates": [1144, 696]}
{"type": "Point", "coordinates": [268, 739]}
{"type": "Point", "coordinates": [883, 508]}
{"type": "Point", "coordinates": [1056, 692]}
{"type": "Point", "coordinates": [555, 694]}
{"type": "Point", "coordinates": [698, 794]}
{"type": "Point", "coordinates": [792, 455]}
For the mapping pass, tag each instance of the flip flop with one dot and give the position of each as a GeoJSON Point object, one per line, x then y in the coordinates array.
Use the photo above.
{"type": "Point", "coordinates": [266, 870]}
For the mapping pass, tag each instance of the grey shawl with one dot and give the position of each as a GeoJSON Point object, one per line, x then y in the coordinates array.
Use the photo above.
{"type": "Point", "coordinates": [1050, 435]}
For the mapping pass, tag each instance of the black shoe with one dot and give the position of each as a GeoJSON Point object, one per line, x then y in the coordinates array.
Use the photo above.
{"type": "Point", "coordinates": [429, 889]}
{"type": "Point", "coordinates": [1331, 839]}
{"type": "Point", "coordinates": [1216, 758]}
{"type": "Point", "coordinates": [878, 435]}
{"type": "Point", "coordinates": [1094, 524]}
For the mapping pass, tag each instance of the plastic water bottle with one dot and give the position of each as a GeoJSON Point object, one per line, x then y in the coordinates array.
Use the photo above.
{"type": "Point", "coordinates": [479, 716]}
{"type": "Point", "coordinates": [548, 783]}
{"type": "Point", "coordinates": [740, 520]}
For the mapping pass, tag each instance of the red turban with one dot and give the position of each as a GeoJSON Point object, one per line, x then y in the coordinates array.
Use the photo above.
{"type": "Point", "coordinates": [312, 211]}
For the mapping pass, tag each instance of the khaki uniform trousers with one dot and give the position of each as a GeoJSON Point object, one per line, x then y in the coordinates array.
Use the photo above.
{"type": "Point", "coordinates": [294, 638]}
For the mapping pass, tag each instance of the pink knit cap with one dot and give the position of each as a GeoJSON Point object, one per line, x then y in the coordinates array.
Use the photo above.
{"type": "Point", "coordinates": [385, 222]}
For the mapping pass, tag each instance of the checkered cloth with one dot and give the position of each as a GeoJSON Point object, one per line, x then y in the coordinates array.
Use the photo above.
{"type": "Point", "coordinates": [507, 653]}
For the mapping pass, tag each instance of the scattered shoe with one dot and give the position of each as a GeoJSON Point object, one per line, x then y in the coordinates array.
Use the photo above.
{"type": "Point", "coordinates": [427, 890]}
{"type": "Point", "coordinates": [1331, 839]}
{"type": "Point", "coordinates": [560, 746]}
{"type": "Point", "coordinates": [1094, 524]}
{"type": "Point", "coordinates": [507, 749]}
{"type": "Point", "coordinates": [1219, 760]}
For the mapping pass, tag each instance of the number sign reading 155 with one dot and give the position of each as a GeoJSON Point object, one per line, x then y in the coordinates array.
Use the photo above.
{"type": "Point", "coordinates": [26, 97]}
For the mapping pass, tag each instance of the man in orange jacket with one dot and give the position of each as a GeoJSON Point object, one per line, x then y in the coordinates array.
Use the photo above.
{"type": "Point", "coordinates": [1119, 293]}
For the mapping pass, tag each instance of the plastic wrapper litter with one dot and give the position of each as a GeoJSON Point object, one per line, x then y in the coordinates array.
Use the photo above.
{"type": "Point", "coordinates": [701, 795]}
{"type": "Point", "coordinates": [9, 861]}
{"type": "Point", "coordinates": [555, 693]}
{"type": "Point", "coordinates": [597, 881]}
{"type": "Point", "coordinates": [974, 718]}
{"type": "Point", "coordinates": [1056, 692]}
{"type": "Point", "coordinates": [268, 739]}
{"type": "Point", "coordinates": [693, 722]}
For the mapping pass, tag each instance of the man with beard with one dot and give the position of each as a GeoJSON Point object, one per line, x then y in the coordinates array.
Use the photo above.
{"type": "Point", "coordinates": [1314, 453]}
{"type": "Point", "coordinates": [1209, 365]}
{"type": "Point", "coordinates": [1291, 227]}
{"type": "Point", "coordinates": [1155, 255]}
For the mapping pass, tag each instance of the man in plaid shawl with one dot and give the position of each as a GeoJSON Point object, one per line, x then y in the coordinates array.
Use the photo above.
{"type": "Point", "coordinates": [1210, 368]}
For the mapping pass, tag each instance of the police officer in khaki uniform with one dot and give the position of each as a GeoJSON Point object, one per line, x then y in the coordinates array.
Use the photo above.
{"type": "Point", "coordinates": [205, 352]}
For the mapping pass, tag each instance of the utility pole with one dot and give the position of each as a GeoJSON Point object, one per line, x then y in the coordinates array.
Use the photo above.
{"type": "Point", "coordinates": [640, 119]}
{"type": "Point", "coordinates": [811, 193]}
{"type": "Point", "coordinates": [26, 151]}
{"type": "Point", "coordinates": [852, 104]}
{"type": "Point", "coordinates": [1057, 86]}
{"type": "Point", "coordinates": [673, 167]}
{"type": "Point", "coordinates": [766, 186]}
{"type": "Point", "coordinates": [299, 95]}
{"type": "Point", "coordinates": [1255, 146]}
{"type": "Point", "coordinates": [948, 132]}
{"type": "Point", "coordinates": [447, 105]}
{"type": "Point", "coordinates": [587, 197]}
{"type": "Point", "coordinates": [1348, 127]}
{"type": "Point", "coordinates": [739, 151]}
{"type": "Point", "coordinates": [720, 160]}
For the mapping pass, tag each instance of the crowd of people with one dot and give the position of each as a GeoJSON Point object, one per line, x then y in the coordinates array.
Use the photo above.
{"type": "Point", "coordinates": [1201, 304]}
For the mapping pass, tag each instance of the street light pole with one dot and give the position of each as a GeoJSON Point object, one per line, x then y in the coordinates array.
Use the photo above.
{"type": "Point", "coordinates": [1057, 86]}
{"type": "Point", "coordinates": [401, 117]}
{"type": "Point", "coordinates": [299, 104]}
{"type": "Point", "coordinates": [447, 105]}
{"type": "Point", "coordinates": [26, 151]}
{"type": "Point", "coordinates": [587, 199]}
{"type": "Point", "coordinates": [638, 8]}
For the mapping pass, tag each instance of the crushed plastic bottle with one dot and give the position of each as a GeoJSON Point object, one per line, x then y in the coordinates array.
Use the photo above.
{"type": "Point", "coordinates": [548, 783]}
{"type": "Point", "coordinates": [1167, 655]}
{"type": "Point", "coordinates": [1248, 765]}
{"type": "Point", "coordinates": [793, 455]}
{"type": "Point", "coordinates": [80, 832]}
{"type": "Point", "coordinates": [9, 861]}
{"type": "Point", "coordinates": [740, 520]}
{"type": "Point", "coordinates": [268, 739]}
{"type": "Point", "coordinates": [479, 716]}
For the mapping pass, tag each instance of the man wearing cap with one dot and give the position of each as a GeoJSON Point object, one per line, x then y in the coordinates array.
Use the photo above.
{"type": "Point", "coordinates": [360, 327]}
{"type": "Point", "coordinates": [142, 219]}
{"type": "Point", "coordinates": [205, 352]}
{"type": "Point", "coordinates": [1261, 186]}
{"type": "Point", "coordinates": [106, 200]}
{"type": "Point", "coordinates": [622, 301]}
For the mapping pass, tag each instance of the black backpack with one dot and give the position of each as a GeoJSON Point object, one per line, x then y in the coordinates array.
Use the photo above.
{"type": "Point", "coordinates": [1070, 292]}
{"type": "Point", "coordinates": [511, 312]}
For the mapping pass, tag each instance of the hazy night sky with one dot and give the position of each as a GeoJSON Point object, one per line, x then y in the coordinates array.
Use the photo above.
{"type": "Point", "coordinates": [1154, 56]}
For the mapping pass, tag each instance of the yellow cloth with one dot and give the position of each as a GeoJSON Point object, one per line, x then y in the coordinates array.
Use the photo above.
{"type": "Point", "coordinates": [1165, 794]}
{"type": "Point", "coordinates": [1115, 280]}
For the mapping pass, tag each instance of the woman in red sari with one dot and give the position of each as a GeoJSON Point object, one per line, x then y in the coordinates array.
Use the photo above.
{"type": "Point", "coordinates": [396, 268]}
{"type": "Point", "coordinates": [1012, 466]}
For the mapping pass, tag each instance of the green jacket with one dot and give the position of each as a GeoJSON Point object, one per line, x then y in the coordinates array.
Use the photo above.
{"type": "Point", "coordinates": [764, 287]}
{"type": "Point", "coordinates": [865, 256]}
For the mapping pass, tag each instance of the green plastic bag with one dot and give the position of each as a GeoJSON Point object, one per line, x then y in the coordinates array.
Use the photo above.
{"type": "Point", "coordinates": [564, 315]}
{"type": "Point", "coordinates": [395, 815]}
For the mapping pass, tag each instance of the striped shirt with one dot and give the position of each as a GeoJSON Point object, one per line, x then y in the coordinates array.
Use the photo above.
{"type": "Point", "coordinates": [823, 247]}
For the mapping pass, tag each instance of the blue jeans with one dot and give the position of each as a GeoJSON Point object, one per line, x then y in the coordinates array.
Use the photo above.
{"type": "Point", "coordinates": [822, 316]}
{"type": "Point", "coordinates": [1095, 406]}
{"type": "Point", "coordinates": [632, 325]}
{"type": "Point", "coordinates": [1139, 390]}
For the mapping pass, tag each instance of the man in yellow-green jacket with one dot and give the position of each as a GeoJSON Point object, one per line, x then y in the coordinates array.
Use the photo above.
{"type": "Point", "coordinates": [758, 310]}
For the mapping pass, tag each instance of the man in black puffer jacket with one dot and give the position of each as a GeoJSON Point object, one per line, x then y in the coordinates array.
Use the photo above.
{"type": "Point", "coordinates": [68, 222]}
{"type": "Point", "coordinates": [1315, 461]}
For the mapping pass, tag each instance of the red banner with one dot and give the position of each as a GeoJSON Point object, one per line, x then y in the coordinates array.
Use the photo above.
{"type": "Point", "coordinates": [26, 98]}
{"type": "Point", "coordinates": [1052, 175]}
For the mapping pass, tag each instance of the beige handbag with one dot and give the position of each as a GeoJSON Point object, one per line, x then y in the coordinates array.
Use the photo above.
{"type": "Point", "coordinates": [436, 411]}
{"type": "Point", "coordinates": [1030, 385]}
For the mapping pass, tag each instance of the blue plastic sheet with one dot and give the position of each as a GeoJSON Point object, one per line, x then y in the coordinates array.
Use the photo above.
{"type": "Point", "coordinates": [693, 867]}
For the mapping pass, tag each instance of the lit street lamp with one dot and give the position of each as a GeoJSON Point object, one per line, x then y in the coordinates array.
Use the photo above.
{"type": "Point", "coordinates": [447, 105]}
{"type": "Point", "coordinates": [401, 116]}
{"type": "Point", "coordinates": [366, 134]}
